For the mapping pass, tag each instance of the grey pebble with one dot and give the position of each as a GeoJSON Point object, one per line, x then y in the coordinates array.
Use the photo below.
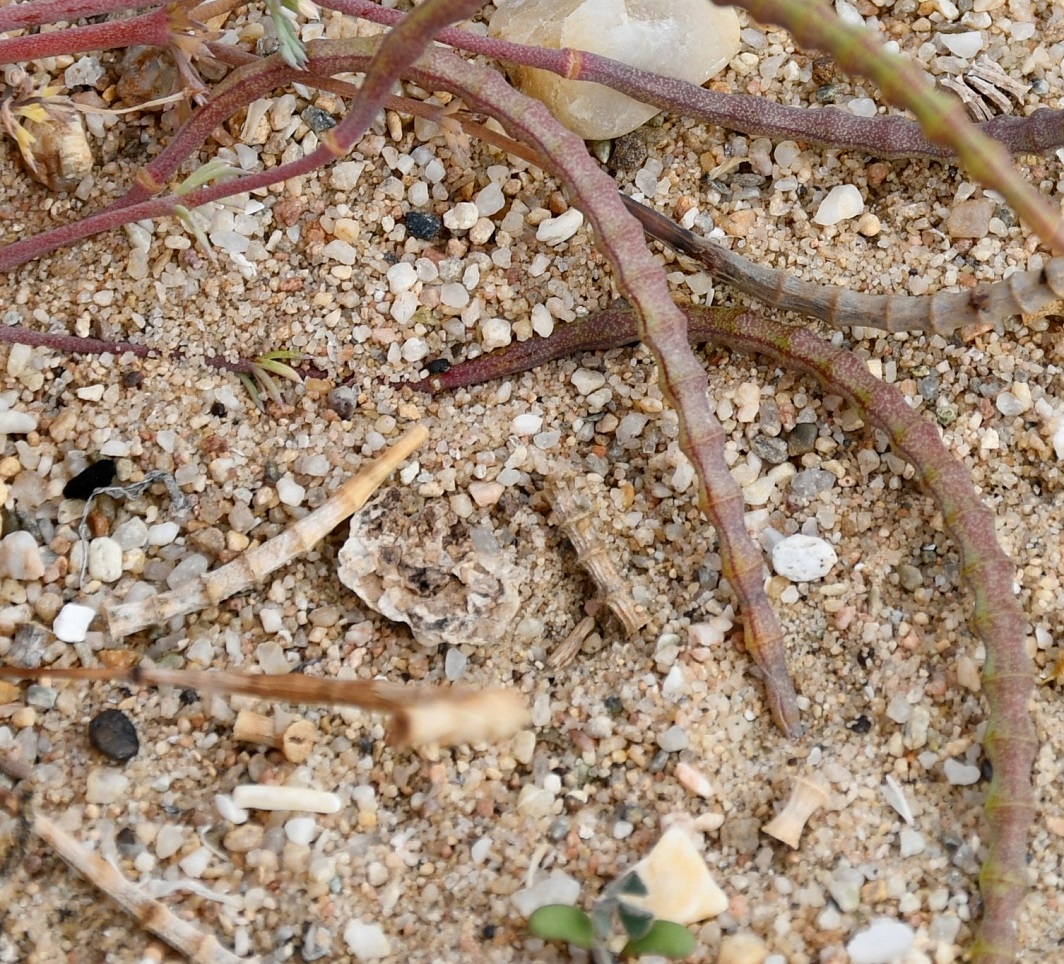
{"type": "Point", "coordinates": [772, 450]}
{"type": "Point", "coordinates": [910, 577]}
{"type": "Point", "coordinates": [113, 734]}
{"type": "Point", "coordinates": [802, 438]}
{"type": "Point", "coordinates": [811, 482]}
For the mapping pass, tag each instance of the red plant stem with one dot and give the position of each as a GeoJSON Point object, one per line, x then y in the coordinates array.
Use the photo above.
{"type": "Point", "coordinates": [150, 29]}
{"type": "Point", "coordinates": [74, 345]}
{"type": "Point", "coordinates": [888, 136]}
{"type": "Point", "coordinates": [34, 13]}
{"type": "Point", "coordinates": [1008, 675]}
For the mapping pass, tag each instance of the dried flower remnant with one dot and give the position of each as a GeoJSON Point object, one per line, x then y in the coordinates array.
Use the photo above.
{"type": "Point", "coordinates": [807, 796]}
{"type": "Point", "coordinates": [48, 130]}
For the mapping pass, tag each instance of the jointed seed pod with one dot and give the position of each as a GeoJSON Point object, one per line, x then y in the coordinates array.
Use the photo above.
{"type": "Point", "coordinates": [574, 514]}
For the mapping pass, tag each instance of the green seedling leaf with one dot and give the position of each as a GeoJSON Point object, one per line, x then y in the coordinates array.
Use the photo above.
{"type": "Point", "coordinates": [214, 170]}
{"type": "Point", "coordinates": [631, 885]}
{"type": "Point", "coordinates": [665, 938]}
{"type": "Point", "coordinates": [636, 921]}
{"type": "Point", "coordinates": [252, 389]}
{"type": "Point", "coordinates": [271, 363]}
{"type": "Point", "coordinates": [188, 219]}
{"type": "Point", "coordinates": [560, 922]}
{"type": "Point", "coordinates": [290, 46]}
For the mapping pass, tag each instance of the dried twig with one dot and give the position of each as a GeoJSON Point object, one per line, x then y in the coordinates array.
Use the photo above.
{"type": "Point", "coordinates": [255, 564]}
{"type": "Point", "coordinates": [420, 714]}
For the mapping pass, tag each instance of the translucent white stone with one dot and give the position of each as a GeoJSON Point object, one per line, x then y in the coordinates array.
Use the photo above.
{"type": "Point", "coordinates": [687, 39]}
{"type": "Point", "coordinates": [842, 202]}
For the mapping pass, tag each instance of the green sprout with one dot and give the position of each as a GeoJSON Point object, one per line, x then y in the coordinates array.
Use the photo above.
{"type": "Point", "coordinates": [260, 379]}
{"type": "Point", "coordinates": [289, 43]}
{"type": "Point", "coordinates": [640, 933]}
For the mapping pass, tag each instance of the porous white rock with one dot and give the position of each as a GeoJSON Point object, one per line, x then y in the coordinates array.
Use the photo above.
{"type": "Point", "coordinates": [451, 584]}
{"type": "Point", "coordinates": [842, 202]}
{"type": "Point", "coordinates": [105, 559]}
{"type": "Point", "coordinates": [687, 39]}
{"type": "Point", "coordinates": [803, 558]}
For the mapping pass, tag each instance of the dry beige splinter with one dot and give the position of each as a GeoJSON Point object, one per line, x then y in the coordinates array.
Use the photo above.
{"type": "Point", "coordinates": [256, 564]}
{"type": "Point", "coordinates": [295, 742]}
{"type": "Point", "coordinates": [808, 795]}
{"type": "Point", "coordinates": [154, 916]}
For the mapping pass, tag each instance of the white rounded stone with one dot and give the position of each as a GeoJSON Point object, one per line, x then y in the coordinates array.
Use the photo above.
{"type": "Point", "coordinates": [842, 203]}
{"type": "Point", "coordinates": [367, 942]}
{"type": "Point", "coordinates": [963, 45]}
{"type": "Point", "coordinates": [803, 558]}
{"type": "Point", "coordinates": [882, 941]}
{"type": "Point", "coordinates": [401, 276]}
{"type": "Point", "coordinates": [559, 229]}
{"type": "Point", "coordinates": [105, 559]}
{"type": "Point", "coordinates": [687, 39]}
{"type": "Point", "coordinates": [20, 557]}
{"type": "Point", "coordinates": [495, 333]}
{"type": "Point", "coordinates": [461, 217]}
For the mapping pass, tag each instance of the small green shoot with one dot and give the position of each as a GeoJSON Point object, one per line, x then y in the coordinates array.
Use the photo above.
{"type": "Point", "coordinates": [260, 379]}
{"type": "Point", "coordinates": [596, 931]}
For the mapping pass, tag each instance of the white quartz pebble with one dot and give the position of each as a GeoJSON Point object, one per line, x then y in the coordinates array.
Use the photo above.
{"type": "Point", "coordinates": [401, 276]}
{"type": "Point", "coordinates": [461, 217]}
{"type": "Point", "coordinates": [495, 333]}
{"type": "Point", "coordinates": [803, 558]}
{"type": "Point", "coordinates": [883, 941]}
{"type": "Point", "coordinates": [17, 423]}
{"type": "Point", "coordinates": [688, 39]}
{"type": "Point", "coordinates": [254, 796]}
{"type": "Point", "coordinates": [587, 381]}
{"type": "Point", "coordinates": [960, 774]}
{"type": "Point", "coordinates": [559, 229]}
{"type": "Point", "coordinates": [964, 45]}
{"type": "Point", "coordinates": [20, 557]}
{"type": "Point", "coordinates": [105, 785]}
{"type": "Point", "coordinates": [366, 942]}
{"type": "Point", "coordinates": [105, 559]}
{"type": "Point", "coordinates": [556, 888]}
{"type": "Point", "coordinates": [842, 202]}
{"type": "Point", "coordinates": [527, 424]}
{"type": "Point", "coordinates": [301, 830]}
{"type": "Point", "coordinates": [290, 492]}
{"type": "Point", "coordinates": [72, 623]}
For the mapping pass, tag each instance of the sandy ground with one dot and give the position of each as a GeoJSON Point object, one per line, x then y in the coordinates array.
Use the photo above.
{"type": "Point", "coordinates": [431, 847]}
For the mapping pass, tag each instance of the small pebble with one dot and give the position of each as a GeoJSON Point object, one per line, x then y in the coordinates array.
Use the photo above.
{"type": "Point", "coordinates": [454, 664]}
{"type": "Point", "coordinates": [461, 217]}
{"type": "Point", "coordinates": [495, 333]}
{"type": "Point", "coordinates": [113, 734]}
{"type": "Point", "coordinates": [845, 888]}
{"type": "Point", "coordinates": [960, 774]}
{"type": "Point", "coordinates": [772, 450]}
{"type": "Point", "coordinates": [673, 739]}
{"type": "Point", "coordinates": [301, 830]}
{"type": "Point", "coordinates": [911, 842]}
{"type": "Point", "coordinates": [72, 623]}
{"type": "Point", "coordinates": [559, 229]}
{"type": "Point", "coordinates": [290, 492]}
{"type": "Point", "coordinates": [486, 494]}
{"type": "Point", "coordinates": [556, 888]}
{"type": "Point", "coordinates": [803, 558]}
{"type": "Point", "coordinates": [527, 424]}
{"type": "Point", "coordinates": [195, 863]}
{"type": "Point", "coordinates": [105, 559]}
{"type": "Point", "coordinates": [99, 475]}
{"type": "Point", "coordinates": [842, 202]}
{"type": "Point", "coordinates": [424, 227]}
{"type": "Point", "coordinates": [882, 942]}
{"type": "Point", "coordinates": [587, 381]}
{"type": "Point", "coordinates": [105, 785]}
{"type": "Point", "coordinates": [964, 45]}
{"type": "Point", "coordinates": [970, 219]}
{"type": "Point", "coordinates": [20, 557]}
{"type": "Point", "coordinates": [679, 885]}
{"type": "Point", "coordinates": [17, 423]}
{"type": "Point", "coordinates": [742, 949]}
{"type": "Point", "coordinates": [802, 438]}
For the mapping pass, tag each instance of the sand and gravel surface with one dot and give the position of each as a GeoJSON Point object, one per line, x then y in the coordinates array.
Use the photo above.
{"type": "Point", "coordinates": [431, 854]}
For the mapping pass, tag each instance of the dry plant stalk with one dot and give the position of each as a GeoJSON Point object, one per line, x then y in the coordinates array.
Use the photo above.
{"type": "Point", "coordinates": [256, 564]}
{"type": "Point", "coordinates": [573, 511]}
{"type": "Point", "coordinates": [151, 914]}
{"type": "Point", "coordinates": [419, 714]}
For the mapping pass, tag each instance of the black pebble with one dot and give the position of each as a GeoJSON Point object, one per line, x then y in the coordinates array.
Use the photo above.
{"type": "Point", "coordinates": [218, 410]}
{"type": "Point", "coordinates": [317, 119]}
{"type": "Point", "coordinates": [424, 227]}
{"type": "Point", "coordinates": [861, 725]}
{"type": "Point", "coordinates": [99, 475]}
{"type": "Point", "coordinates": [438, 366]}
{"type": "Point", "coordinates": [112, 733]}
